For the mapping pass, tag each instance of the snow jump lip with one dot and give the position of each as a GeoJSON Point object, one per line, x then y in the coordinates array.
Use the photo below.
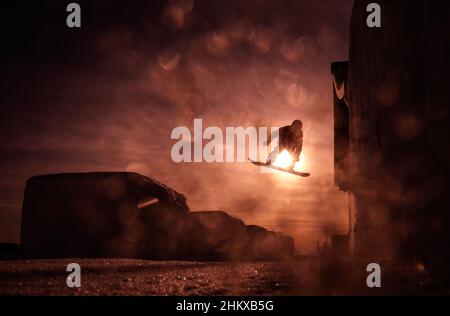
{"type": "Point", "coordinates": [262, 164]}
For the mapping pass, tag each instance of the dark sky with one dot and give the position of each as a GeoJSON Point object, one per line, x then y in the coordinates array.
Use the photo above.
{"type": "Point", "coordinates": [106, 97]}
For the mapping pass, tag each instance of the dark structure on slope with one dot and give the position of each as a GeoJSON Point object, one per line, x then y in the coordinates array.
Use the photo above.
{"type": "Point", "coordinates": [392, 105]}
{"type": "Point", "coordinates": [118, 214]}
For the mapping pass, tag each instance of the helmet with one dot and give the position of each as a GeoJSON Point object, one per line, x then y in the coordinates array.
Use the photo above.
{"type": "Point", "coordinates": [297, 123]}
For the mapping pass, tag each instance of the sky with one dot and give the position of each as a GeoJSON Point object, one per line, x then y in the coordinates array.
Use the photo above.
{"type": "Point", "coordinates": [106, 97]}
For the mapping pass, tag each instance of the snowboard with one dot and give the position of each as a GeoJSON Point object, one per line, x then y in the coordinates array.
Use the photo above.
{"type": "Point", "coordinates": [263, 164]}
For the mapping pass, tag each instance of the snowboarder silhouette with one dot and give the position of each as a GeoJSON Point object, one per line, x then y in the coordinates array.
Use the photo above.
{"type": "Point", "coordinates": [290, 138]}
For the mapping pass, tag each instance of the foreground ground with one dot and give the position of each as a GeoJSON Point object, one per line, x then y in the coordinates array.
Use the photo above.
{"type": "Point", "coordinates": [143, 277]}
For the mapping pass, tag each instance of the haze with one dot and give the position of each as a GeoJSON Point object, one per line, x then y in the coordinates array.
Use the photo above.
{"type": "Point", "coordinates": [106, 98]}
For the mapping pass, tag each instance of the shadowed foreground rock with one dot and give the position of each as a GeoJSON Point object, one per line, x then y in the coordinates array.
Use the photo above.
{"type": "Point", "coordinates": [226, 237]}
{"type": "Point", "coordinates": [119, 214]}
